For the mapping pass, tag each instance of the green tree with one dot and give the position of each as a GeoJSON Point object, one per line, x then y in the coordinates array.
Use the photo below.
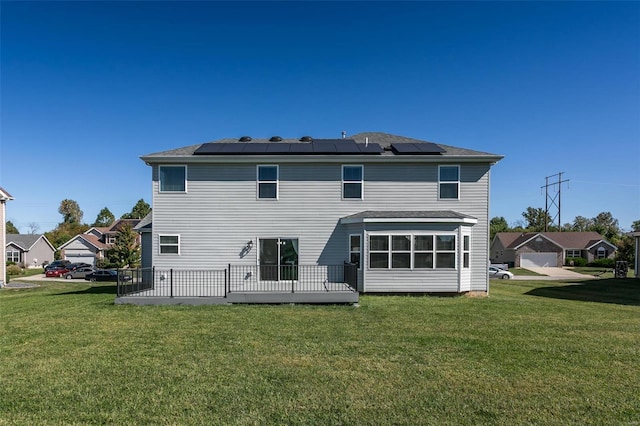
{"type": "Point", "coordinates": [626, 249]}
{"type": "Point", "coordinates": [636, 226]}
{"type": "Point", "coordinates": [126, 251]}
{"type": "Point", "coordinates": [498, 224]}
{"type": "Point", "coordinates": [11, 228]}
{"type": "Point", "coordinates": [607, 226]}
{"type": "Point", "coordinates": [139, 211]}
{"type": "Point", "coordinates": [70, 211]}
{"type": "Point", "coordinates": [582, 224]}
{"type": "Point", "coordinates": [104, 218]}
{"type": "Point", "coordinates": [536, 219]}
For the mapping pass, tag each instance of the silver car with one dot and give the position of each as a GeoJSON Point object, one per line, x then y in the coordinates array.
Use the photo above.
{"type": "Point", "coordinates": [499, 273]}
{"type": "Point", "coordinates": [80, 272]}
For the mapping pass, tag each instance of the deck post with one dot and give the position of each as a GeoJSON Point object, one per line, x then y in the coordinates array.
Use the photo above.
{"type": "Point", "coordinates": [171, 282]}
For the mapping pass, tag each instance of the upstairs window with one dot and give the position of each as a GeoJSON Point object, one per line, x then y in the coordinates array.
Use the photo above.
{"type": "Point", "coordinates": [173, 178]}
{"type": "Point", "coordinates": [449, 182]}
{"type": "Point", "coordinates": [352, 182]}
{"type": "Point", "coordinates": [268, 182]}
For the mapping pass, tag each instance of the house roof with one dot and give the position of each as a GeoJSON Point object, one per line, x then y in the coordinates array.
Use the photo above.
{"type": "Point", "coordinates": [145, 224]}
{"type": "Point", "coordinates": [89, 238]}
{"type": "Point", "coordinates": [4, 195]}
{"type": "Point", "coordinates": [26, 241]}
{"type": "Point", "coordinates": [440, 216]}
{"type": "Point", "coordinates": [115, 227]}
{"type": "Point", "coordinates": [566, 240]}
{"type": "Point", "coordinates": [384, 140]}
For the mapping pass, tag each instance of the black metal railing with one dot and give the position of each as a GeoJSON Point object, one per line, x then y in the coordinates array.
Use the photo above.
{"type": "Point", "coordinates": [154, 282]}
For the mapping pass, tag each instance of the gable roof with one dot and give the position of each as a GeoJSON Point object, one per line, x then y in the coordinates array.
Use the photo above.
{"type": "Point", "coordinates": [89, 238]}
{"type": "Point", "coordinates": [565, 240]}
{"type": "Point", "coordinates": [145, 224]}
{"type": "Point", "coordinates": [4, 195]}
{"type": "Point", "coordinates": [361, 141]}
{"type": "Point", "coordinates": [26, 241]}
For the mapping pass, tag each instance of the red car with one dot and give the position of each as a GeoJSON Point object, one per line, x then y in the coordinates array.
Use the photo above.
{"type": "Point", "coordinates": [56, 272]}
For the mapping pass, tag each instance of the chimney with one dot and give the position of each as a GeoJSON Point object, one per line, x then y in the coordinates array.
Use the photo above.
{"type": "Point", "coordinates": [344, 134]}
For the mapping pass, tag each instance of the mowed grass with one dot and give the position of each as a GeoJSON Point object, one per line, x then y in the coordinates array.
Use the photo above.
{"type": "Point", "coordinates": [531, 353]}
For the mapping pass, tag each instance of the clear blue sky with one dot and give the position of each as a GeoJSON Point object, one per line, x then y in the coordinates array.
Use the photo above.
{"type": "Point", "coordinates": [89, 87]}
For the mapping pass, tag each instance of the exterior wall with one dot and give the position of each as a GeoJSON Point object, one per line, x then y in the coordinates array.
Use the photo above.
{"type": "Point", "coordinates": [417, 280]}
{"type": "Point", "coordinates": [534, 246]}
{"type": "Point", "coordinates": [38, 254]}
{"type": "Point", "coordinates": [592, 253]}
{"type": "Point", "coordinates": [500, 254]}
{"type": "Point", "coordinates": [79, 247]}
{"type": "Point", "coordinates": [3, 243]}
{"type": "Point", "coordinates": [220, 213]}
{"type": "Point", "coordinates": [146, 249]}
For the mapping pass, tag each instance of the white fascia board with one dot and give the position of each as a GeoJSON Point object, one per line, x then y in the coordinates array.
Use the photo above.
{"type": "Point", "coordinates": [226, 159]}
{"type": "Point", "coordinates": [602, 241]}
{"type": "Point", "coordinates": [467, 220]}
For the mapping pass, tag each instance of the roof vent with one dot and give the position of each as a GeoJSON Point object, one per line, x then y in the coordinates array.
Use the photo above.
{"type": "Point", "coordinates": [245, 139]}
{"type": "Point", "coordinates": [275, 139]}
{"type": "Point", "coordinates": [306, 139]}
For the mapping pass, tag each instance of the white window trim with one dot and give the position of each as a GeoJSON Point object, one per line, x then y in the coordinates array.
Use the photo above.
{"type": "Point", "coordinates": [258, 182]}
{"type": "Point", "coordinates": [457, 250]}
{"type": "Point", "coordinates": [353, 251]}
{"type": "Point", "coordinates": [572, 253]}
{"type": "Point", "coordinates": [10, 255]}
{"type": "Point", "coordinates": [160, 179]}
{"type": "Point", "coordinates": [361, 182]}
{"type": "Point", "coordinates": [467, 251]}
{"type": "Point", "coordinates": [160, 245]}
{"type": "Point", "coordinates": [448, 181]}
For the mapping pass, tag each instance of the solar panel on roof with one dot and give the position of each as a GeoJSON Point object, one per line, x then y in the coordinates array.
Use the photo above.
{"type": "Point", "coordinates": [278, 148]}
{"type": "Point", "coordinates": [420, 148]}
{"type": "Point", "coordinates": [301, 148]}
{"type": "Point", "coordinates": [324, 148]}
{"type": "Point", "coordinates": [208, 148]}
{"type": "Point", "coordinates": [253, 148]}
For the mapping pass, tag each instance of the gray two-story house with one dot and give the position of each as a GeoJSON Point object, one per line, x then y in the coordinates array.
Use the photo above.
{"type": "Point", "coordinates": [411, 215]}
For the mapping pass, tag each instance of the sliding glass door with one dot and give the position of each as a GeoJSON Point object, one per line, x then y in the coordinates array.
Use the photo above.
{"type": "Point", "coordinates": [278, 259]}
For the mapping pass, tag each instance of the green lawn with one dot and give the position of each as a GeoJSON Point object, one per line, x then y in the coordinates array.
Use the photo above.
{"type": "Point", "coordinates": [531, 353]}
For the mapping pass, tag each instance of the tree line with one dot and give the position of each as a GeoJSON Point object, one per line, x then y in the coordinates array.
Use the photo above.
{"type": "Point", "coordinates": [537, 220]}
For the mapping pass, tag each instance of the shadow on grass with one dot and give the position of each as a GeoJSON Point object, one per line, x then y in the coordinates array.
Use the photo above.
{"type": "Point", "coordinates": [617, 291]}
{"type": "Point", "coordinates": [94, 289]}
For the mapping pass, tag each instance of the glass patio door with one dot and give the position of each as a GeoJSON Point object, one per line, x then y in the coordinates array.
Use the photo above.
{"type": "Point", "coordinates": [278, 259]}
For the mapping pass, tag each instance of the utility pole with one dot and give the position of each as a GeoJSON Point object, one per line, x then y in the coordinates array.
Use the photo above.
{"type": "Point", "coordinates": [552, 200]}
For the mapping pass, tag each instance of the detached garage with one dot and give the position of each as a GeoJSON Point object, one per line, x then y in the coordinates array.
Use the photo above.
{"type": "Point", "coordinates": [543, 259]}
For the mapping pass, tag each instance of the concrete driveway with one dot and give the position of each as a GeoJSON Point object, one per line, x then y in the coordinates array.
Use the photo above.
{"type": "Point", "coordinates": [555, 274]}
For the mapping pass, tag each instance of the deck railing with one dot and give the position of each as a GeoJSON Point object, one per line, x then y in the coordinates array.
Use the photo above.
{"type": "Point", "coordinates": [155, 282]}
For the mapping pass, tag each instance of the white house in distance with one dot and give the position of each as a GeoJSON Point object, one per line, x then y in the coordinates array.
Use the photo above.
{"type": "Point", "coordinates": [4, 197]}
{"type": "Point", "coordinates": [411, 214]}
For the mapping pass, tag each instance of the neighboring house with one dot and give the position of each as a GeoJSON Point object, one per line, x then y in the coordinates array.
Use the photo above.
{"type": "Point", "coordinates": [91, 246]}
{"type": "Point", "coordinates": [636, 264]}
{"type": "Point", "coordinates": [29, 250]}
{"type": "Point", "coordinates": [526, 249]}
{"type": "Point", "coordinates": [4, 197]}
{"type": "Point", "coordinates": [412, 214]}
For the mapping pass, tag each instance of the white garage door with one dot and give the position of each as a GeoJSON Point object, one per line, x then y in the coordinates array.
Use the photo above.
{"type": "Point", "coordinates": [539, 259]}
{"type": "Point", "coordinates": [78, 258]}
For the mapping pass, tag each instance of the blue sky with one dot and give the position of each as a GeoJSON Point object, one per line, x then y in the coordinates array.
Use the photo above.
{"type": "Point", "coordinates": [89, 87]}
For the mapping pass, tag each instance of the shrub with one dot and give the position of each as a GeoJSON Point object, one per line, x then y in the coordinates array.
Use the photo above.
{"type": "Point", "coordinates": [14, 270]}
{"type": "Point", "coordinates": [575, 261]}
{"type": "Point", "coordinates": [603, 263]}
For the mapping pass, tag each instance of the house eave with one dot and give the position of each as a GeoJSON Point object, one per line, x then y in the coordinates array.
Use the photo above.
{"type": "Point", "coordinates": [464, 221]}
{"type": "Point", "coordinates": [238, 159]}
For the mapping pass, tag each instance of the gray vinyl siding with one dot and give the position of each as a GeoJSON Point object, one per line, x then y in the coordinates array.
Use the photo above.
{"type": "Point", "coordinates": [220, 213]}
{"type": "Point", "coordinates": [39, 253]}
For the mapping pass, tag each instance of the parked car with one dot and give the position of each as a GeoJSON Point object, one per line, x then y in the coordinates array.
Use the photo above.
{"type": "Point", "coordinates": [55, 264]}
{"type": "Point", "coordinates": [74, 266]}
{"type": "Point", "coordinates": [56, 271]}
{"type": "Point", "coordinates": [79, 272]}
{"type": "Point", "coordinates": [106, 275]}
{"type": "Point", "coordinates": [499, 273]}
